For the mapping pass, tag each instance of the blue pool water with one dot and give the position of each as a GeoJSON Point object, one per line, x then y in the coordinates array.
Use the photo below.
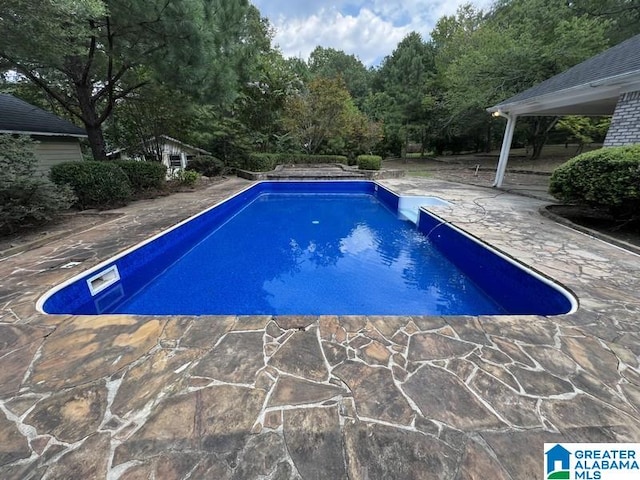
{"type": "Point", "coordinates": [340, 249]}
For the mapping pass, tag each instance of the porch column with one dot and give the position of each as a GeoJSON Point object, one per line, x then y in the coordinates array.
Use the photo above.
{"type": "Point", "coordinates": [506, 146]}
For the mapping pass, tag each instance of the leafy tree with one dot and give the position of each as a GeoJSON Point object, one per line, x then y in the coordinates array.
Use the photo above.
{"type": "Point", "coordinates": [358, 134]}
{"type": "Point", "coordinates": [262, 102]}
{"type": "Point", "coordinates": [324, 118]}
{"type": "Point", "coordinates": [317, 113]}
{"type": "Point", "coordinates": [152, 111]}
{"type": "Point", "coordinates": [363, 134]}
{"type": "Point", "coordinates": [623, 16]}
{"type": "Point", "coordinates": [251, 121]}
{"type": "Point", "coordinates": [300, 68]}
{"type": "Point", "coordinates": [224, 135]}
{"type": "Point", "coordinates": [90, 54]}
{"type": "Point", "coordinates": [583, 130]}
{"type": "Point", "coordinates": [456, 129]}
{"type": "Point", "coordinates": [403, 77]}
{"type": "Point", "coordinates": [332, 63]}
{"type": "Point", "coordinates": [401, 96]}
{"type": "Point", "coordinates": [218, 123]}
{"type": "Point", "coordinates": [452, 31]}
{"type": "Point", "coordinates": [519, 44]}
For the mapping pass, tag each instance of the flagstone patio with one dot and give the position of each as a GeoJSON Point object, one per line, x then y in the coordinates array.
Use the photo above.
{"type": "Point", "coordinates": [134, 397]}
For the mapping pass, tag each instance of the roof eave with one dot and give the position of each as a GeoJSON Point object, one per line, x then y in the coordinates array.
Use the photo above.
{"type": "Point", "coordinates": [167, 137]}
{"type": "Point", "coordinates": [589, 92]}
{"type": "Point", "coordinates": [44, 134]}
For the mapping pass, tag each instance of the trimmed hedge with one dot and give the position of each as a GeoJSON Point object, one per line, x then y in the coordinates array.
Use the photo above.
{"type": "Point", "coordinates": [260, 162]}
{"type": "Point", "coordinates": [369, 162]}
{"type": "Point", "coordinates": [207, 166]}
{"type": "Point", "coordinates": [96, 184]}
{"type": "Point", "coordinates": [143, 175]}
{"type": "Point", "coordinates": [263, 162]}
{"type": "Point", "coordinates": [607, 177]}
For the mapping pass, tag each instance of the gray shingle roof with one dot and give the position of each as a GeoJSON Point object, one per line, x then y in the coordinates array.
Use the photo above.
{"type": "Point", "coordinates": [622, 59]}
{"type": "Point", "coordinates": [18, 116]}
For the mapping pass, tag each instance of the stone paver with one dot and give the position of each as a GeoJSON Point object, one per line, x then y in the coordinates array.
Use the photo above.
{"type": "Point", "coordinates": [135, 397]}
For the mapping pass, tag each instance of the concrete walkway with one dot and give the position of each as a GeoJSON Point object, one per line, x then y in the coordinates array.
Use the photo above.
{"type": "Point", "coordinates": [521, 182]}
{"type": "Point", "coordinates": [134, 397]}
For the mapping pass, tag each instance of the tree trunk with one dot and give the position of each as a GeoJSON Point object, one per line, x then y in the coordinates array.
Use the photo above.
{"type": "Point", "coordinates": [91, 122]}
{"type": "Point", "coordinates": [96, 141]}
{"type": "Point", "coordinates": [538, 144]}
{"type": "Point", "coordinates": [542, 127]}
{"type": "Point", "coordinates": [487, 145]}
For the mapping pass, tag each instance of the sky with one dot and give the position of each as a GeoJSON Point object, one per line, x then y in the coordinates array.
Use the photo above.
{"type": "Point", "coordinates": [369, 29]}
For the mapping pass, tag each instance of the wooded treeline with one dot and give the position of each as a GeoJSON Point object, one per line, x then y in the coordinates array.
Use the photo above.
{"type": "Point", "coordinates": [208, 73]}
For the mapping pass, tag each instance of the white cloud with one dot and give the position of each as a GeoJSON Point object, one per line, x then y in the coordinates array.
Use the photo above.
{"type": "Point", "coordinates": [291, 8]}
{"type": "Point", "coordinates": [366, 35]}
{"type": "Point", "coordinates": [421, 11]}
{"type": "Point", "coordinates": [370, 29]}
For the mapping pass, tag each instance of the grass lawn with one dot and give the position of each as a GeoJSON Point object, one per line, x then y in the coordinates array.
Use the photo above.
{"type": "Point", "coordinates": [552, 156]}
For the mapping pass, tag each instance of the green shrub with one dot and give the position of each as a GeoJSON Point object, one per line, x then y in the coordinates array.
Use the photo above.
{"type": "Point", "coordinates": [143, 175]}
{"type": "Point", "coordinates": [263, 162]}
{"type": "Point", "coordinates": [26, 198]}
{"type": "Point", "coordinates": [96, 184]}
{"type": "Point", "coordinates": [260, 162]}
{"type": "Point", "coordinates": [188, 178]}
{"type": "Point", "coordinates": [607, 177]}
{"type": "Point", "coordinates": [369, 162]}
{"type": "Point", "coordinates": [207, 166]}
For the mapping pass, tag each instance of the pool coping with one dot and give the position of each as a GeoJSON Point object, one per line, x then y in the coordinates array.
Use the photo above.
{"type": "Point", "coordinates": [116, 266]}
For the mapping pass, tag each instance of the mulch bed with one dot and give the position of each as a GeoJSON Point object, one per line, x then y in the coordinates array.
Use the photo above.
{"type": "Point", "coordinates": [600, 220]}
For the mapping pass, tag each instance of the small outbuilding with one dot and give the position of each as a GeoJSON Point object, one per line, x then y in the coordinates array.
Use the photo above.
{"type": "Point", "coordinates": [58, 140]}
{"type": "Point", "coordinates": [607, 84]}
{"type": "Point", "coordinates": [174, 154]}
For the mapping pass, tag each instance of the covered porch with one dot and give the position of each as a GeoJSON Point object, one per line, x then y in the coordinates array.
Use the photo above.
{"type": "Point", "coordinates": [607, 84]}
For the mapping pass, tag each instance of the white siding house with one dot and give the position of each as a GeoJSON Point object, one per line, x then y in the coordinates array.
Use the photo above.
{"type": "Point", "coordinates": [57, 139]}
{"type": "Point", "coordinates": [52, 150]}
{"type": "Point", "coordinates": [174, 154]}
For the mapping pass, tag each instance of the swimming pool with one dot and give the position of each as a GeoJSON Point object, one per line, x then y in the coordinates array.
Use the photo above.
{"type": "Point", "coordinates": [311, 248]}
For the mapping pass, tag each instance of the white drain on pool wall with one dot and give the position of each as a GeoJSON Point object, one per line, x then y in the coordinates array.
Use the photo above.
{"type": "Point", "coordinates": [103, 280]}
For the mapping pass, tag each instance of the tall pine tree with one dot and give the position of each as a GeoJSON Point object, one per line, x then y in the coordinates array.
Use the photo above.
{"type": "Point", "coordinates": [90, 54]}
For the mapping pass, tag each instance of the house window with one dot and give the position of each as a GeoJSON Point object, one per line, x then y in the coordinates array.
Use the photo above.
{"type": "Point", "coordinates": [189, 158]}
{"type": "Point", "coordinates": [175, 161]}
